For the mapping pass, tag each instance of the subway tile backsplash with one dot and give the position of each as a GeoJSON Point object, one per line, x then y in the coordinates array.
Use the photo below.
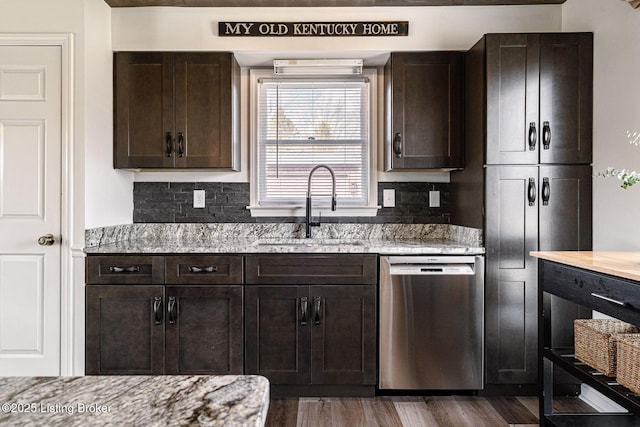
{"type": "Point", "coordinates": [172, 202]}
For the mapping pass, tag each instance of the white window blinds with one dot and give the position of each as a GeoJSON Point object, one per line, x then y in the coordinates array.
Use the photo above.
{"type": "Point", "coordinates": [303, 123]}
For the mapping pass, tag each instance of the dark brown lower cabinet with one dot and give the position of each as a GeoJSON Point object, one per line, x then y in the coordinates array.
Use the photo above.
{"type": "Point", "coordinates": [528, 208]}
{"type": "Point", "coordinates": [311, 335]}
{"type": "Point", "coordinates": [124, 330]}
{"type": "Point", "coordinates": [203, 330]}
{"type": "Point", "coordinates": [139, 329]}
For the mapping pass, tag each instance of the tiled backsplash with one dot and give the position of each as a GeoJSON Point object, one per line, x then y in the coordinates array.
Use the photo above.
{"type": "Point", "coordinates": [172, 202]}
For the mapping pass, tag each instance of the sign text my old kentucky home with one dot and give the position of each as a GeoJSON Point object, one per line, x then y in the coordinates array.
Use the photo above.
{"type": "Point", "coordinates": [312, 29]}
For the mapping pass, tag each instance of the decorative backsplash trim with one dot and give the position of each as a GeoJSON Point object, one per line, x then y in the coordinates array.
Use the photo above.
{"type": "Point", "coordinates": [172, 202]}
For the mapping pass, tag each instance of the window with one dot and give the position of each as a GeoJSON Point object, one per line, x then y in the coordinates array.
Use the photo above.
{"type": "Point", "coordinates": [303, 122]}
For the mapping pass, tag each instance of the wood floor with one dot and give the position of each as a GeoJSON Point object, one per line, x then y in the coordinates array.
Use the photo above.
{"type": "Point", "coordinates": [441, 411]}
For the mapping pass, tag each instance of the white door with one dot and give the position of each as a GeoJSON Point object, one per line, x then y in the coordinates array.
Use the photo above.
{"type": "Point", "coordinates": [30, 207]}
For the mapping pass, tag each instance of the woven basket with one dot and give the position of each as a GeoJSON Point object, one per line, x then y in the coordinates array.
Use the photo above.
{"type": "Point", "coordinates": [629, 361]}
{"type": "Point", "coordinates": [595, 342]}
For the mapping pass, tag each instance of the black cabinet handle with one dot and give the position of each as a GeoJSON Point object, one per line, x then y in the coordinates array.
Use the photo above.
{"type": "Point", "coordinates": [171, 310]}
{"type": "Point", "coordinates": [397, 144]}
{"type": "Point", "coordinates": [210, 269]}
{"type": "Point", "coordinates": [157, 310]}
{"type": "Point", "coordinates": [167, 141]}
{"type": "Point", "coordinates": [531, 192]}
{"type": "Point", "coordinates": [546, 135]}
{"type": "Point", "coordinates": [180, 144]}
{"type": "Point", "coordinates": [317, 307]}
{"type": "Point", "coordinates": [118, 269]}
{"type": "Point", "coordinates": [304, 310]}
{"type": "Point", "coordinates": [533, 136]}
{"type": "Point", "coordinates": [546, 191]}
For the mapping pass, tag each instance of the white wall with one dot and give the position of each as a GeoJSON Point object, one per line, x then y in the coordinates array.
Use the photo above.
{"type": "Point", "coordinates": [616, 28]}
{"type": "Point", "coordinates": [430, 28]}
{"type": "Point", "coordinates": [108, 192]}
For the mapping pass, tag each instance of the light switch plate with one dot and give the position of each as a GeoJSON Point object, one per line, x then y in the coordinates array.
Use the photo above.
{"type": "Point", "coordinates": [389, 198]}
{"type": "Point", "coordinates": [198, 199]}
{"type": "Point", "coordinates": [434, 199]}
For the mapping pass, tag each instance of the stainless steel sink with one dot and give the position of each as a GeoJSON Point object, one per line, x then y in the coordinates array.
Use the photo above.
{"type": "Point", "coordinates": [308, 243]}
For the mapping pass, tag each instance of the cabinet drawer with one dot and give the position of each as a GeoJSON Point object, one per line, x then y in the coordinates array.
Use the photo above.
{"type": "Point", "coordinates": [607, 294]}
{"type": "Point", "coordinates": [124, 270]}
{"type": "Point", "coordinates": [203, 269]}
{"type": "Point", "coordinates": [312, 269]}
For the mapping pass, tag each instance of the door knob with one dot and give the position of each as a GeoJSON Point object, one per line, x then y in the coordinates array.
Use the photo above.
{"type": "Point", "coordinates": [46, 240]}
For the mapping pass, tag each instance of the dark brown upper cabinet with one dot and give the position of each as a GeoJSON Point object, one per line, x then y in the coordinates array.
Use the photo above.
{"type": "Point", "coordinates": [176, 110]}
{"type": "Point", "coordinates": [539, 98]}
{"type": "Point", "coordinates": [424, 110]}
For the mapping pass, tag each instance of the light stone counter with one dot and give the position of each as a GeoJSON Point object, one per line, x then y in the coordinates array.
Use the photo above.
{"type": "Point", "coordinates": [166, 400]}
{"type": "Point", "coordinates": [414, 239]}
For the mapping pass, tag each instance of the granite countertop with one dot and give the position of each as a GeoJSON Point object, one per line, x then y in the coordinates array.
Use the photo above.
{"type": "Point", "coordinates": [284, 238]}
{"type": "Point", "coordinates": [228, 400]}
{"type": "Point", "coordinates": [619, 264]}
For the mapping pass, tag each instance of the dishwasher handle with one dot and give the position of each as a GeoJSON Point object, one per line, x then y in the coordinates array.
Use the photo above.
{"type": "Point", "coordinates": [432, 269]}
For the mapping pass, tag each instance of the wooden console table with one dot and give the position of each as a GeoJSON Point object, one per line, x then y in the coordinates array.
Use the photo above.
{"type": "Point", "coordinates": [608, 282]}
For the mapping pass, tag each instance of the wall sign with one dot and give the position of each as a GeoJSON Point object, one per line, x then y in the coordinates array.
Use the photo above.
{"type": "Point", "coordinates": [313, 29]}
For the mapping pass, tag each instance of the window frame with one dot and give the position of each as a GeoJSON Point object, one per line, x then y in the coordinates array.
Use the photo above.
{"type": "Point", "coordinates": [259, 209]}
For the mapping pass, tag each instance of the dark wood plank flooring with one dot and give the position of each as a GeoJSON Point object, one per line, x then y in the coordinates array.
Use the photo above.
{"type": "Point", "coordinates": [440, 411]}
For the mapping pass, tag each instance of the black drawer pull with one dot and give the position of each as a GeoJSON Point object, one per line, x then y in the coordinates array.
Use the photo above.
{"type": "Point", "coordinates": [531, 192]}
{"type": "Point", "coordinates": [546, 191]}
{"type": "Point", "coordinates": [546, 135]}
{"type": "Point", "coordinates": [210, 269]}
{"type": "Point", "coordinates": [304, 310]}
{"type": "Point", "coordinates": [180, 144]}
{"type": "Point", "coordinates": [167, 141]}
{"type": "Point", "coordinates": [533, 136]}
{"type": "Point", "coordinates": [131, 269]}
{"type": "Point", "coordinates": [171, 310]}
{"type": "Point", "coordinates": [397, 145]}
{"type": "Point", "coordinates": [157, 310]}
{"type": "Point", "coordinates": [317, 308]}
{"type": "Point", "coordinates": [611, 300]}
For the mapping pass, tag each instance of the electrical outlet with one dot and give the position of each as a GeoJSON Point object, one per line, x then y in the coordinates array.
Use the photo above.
{"type": "Point", "coordinates": [388, 198]}
{"type": "Point", "coordinates": [198, 199]}
{"type": "Point", "coordinates": [434, 199]}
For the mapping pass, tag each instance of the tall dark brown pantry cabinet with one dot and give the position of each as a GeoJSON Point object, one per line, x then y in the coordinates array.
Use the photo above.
{"type": "Point", "coordinates": [176, 110]}
{"type": "Point", "coordinates": [527, 180]}
{"type": "Point", "coordinates": [424, 110]}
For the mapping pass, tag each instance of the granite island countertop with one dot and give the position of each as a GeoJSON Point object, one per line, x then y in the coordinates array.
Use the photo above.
{"type": "Point", "coordinates": [387, 239]}
{"type": "Point", "coordinates": [227, 400]}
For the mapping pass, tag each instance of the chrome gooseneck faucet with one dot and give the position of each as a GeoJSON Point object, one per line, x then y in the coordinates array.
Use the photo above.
{"type": "Point", "coordinates": [309, 222]}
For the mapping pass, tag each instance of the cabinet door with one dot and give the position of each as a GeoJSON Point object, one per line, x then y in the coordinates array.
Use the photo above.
{"type": "Point", "coordinates": [424, 111]}
{"type": "Point", "coordinates": [277, 337]}
{"type": "Point", "coordinates": [203, 110]}
{"type": "Point", "coordinates": [124, 330]}
{"type": "Point", "coordinates": [143, 104]}
{"type": "Point", "coordinates": [512, 67]}
{"type": "Point", "coordinates": [565, 225]}
{"type": "Point", "coordinates": [566, 97]}
{"type": "Point", "coordinates": [565, 208]}
{"type": "Point", "coordinates": [204, 330]}
{"type": "Point", "coordinates": [511, 279]}
{"type": "Point", "coordinates": [343, 343]}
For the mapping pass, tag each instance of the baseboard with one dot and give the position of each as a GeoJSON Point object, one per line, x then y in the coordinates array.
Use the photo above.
{"type": "Point", "coordinates": [598, 401]}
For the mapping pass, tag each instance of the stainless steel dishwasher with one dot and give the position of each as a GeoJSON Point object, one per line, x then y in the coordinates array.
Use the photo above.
{"type": "Point", "coordinates": [431, 322]}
